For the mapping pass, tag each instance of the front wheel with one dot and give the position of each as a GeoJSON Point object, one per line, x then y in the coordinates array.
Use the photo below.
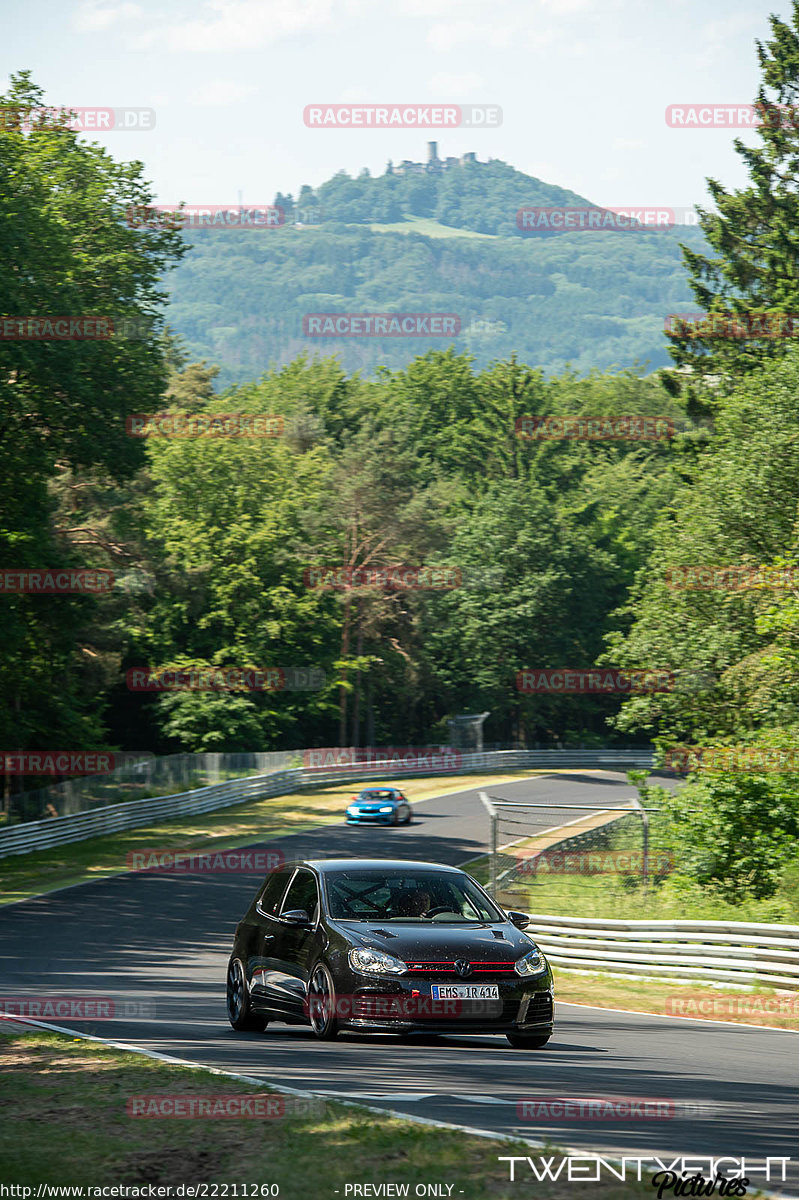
{"type": "Point", "coordinates": [239, 1012]}
{"type": "Point", "coordinates": [528, 1041]}
{"type": "Point", "coordinates": [322, 1004]}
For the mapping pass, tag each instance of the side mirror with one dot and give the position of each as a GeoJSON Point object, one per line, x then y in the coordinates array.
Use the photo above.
{"type": "Point", "coordinates": [296, 916]}
{"type": "Point", "coordinates": [519, 919]}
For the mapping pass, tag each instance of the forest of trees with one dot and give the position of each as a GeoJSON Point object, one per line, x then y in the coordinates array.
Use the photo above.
{"type": "Point", "coordinates": [579, 300]}
{"type": "Point", "coordinates": [563, 548]}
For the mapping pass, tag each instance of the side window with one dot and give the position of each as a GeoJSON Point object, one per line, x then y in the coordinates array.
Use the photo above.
{"type": "Point", "coordinates": [272, 894]}
{"type": "Point", "coordinates": [302, 894]}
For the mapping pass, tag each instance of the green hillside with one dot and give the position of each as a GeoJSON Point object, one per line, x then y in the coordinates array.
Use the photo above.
{"type": "Point", "coordinates": [419, 242]}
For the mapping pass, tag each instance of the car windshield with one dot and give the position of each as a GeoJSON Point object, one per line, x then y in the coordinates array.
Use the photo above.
{"type": "Point", "coordinates": [376, 796]}
{"type": "Point", "coordinates": [417, 896]}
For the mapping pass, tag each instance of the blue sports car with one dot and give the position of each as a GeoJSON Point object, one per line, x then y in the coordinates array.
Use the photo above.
{"type": "Point", "coordinates": [381, 806]}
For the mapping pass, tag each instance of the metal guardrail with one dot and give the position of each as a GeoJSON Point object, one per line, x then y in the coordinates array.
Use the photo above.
{"type": "Point", "coordinates": [731, 952]}
{"type": "Point", "coordinates": [56, 831]}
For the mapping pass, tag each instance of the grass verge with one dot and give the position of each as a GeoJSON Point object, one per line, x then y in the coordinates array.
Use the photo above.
{"type": "Point", "coordinates": [758, 1006]}
{"type": "Point", "coordinates": [81, 1090]}
{"type": "Point", "coordinates": [25, 875]}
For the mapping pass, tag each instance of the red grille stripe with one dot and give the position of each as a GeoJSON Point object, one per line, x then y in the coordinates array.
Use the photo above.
{"type": "Point", "coordinates": [450, 966]}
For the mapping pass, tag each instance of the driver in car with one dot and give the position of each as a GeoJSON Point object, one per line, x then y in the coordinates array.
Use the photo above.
{"type": "Point", "coordinates": [411, 903]}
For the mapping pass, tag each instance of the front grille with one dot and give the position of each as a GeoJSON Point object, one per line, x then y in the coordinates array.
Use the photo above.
{"type": "Point", "coordinates": [446, 968]}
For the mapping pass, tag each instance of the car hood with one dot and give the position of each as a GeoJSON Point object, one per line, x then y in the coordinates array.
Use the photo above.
{"type": "Point", "coordinates": [428, 943]}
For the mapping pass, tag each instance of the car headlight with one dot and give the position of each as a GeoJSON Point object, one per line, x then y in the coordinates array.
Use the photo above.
{"type": "Point", "coordinates": [531, 964]}
{"type": "Point", "coordinates": [352, 810]}
{"type": "Point", "coordinates": [375, 962]}
{"type": "Point", "coordinates": [387, 808]}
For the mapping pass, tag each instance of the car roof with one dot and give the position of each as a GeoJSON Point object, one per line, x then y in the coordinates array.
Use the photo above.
{"type": "Point", "coordinates": [330, 866]}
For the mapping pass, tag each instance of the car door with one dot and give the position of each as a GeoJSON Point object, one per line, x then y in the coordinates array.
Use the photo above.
{"type": "Point", "coordinates": [296, 946]}
{"type": "Point", "coordinates": [263, 939]}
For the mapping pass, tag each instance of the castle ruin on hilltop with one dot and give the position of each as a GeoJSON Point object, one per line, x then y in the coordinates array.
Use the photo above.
{"type": "Point", "coordinates": [434, 164]}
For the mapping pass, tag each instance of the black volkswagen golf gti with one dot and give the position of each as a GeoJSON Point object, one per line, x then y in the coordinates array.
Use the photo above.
{"type": "Point", "coordinates": [386, 946]}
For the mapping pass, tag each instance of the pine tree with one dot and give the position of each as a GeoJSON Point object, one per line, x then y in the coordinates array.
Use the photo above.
{"type": "Point", "coordinates": [755, 234]}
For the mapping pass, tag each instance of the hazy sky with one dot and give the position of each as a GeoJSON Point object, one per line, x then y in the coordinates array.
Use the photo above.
{"type": "Point", "coordinates": [583, 85]}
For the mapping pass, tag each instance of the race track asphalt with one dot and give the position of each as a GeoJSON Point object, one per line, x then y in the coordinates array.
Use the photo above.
{"type": "Point", "coordinates": [157, 946]}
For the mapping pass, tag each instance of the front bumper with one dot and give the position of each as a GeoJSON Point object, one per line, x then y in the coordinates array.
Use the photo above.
{"type": "Point", "coordinates": [367, 818]}
{"type": "Point", "coordinates": [407, 1004]}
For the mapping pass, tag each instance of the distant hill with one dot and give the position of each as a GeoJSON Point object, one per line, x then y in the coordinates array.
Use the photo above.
{"type": "Point", "coordinates": [430, 241]}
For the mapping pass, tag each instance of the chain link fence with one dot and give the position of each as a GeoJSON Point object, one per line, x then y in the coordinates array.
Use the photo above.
{"type": "Point", "coordinates": [142, 780]}
{"type": "Point", "coordinates": [598, 854]}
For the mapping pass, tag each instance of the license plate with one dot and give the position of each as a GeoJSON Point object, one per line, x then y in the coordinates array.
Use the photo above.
{"type": "Point", "coordinates": [465, 991]}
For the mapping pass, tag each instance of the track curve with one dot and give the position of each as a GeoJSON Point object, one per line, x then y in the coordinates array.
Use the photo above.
{"type": "Point", "coordinates": [157, 946]}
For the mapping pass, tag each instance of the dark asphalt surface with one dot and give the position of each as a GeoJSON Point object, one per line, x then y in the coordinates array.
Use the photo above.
{"type": "Point", "coordinates": [157, 945]}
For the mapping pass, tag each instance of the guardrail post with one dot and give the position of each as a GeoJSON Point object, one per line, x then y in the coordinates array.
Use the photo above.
{"type": "Point", "coordinates": [492, 815]}
{"type": "Point", "coordinates": [645, 824]}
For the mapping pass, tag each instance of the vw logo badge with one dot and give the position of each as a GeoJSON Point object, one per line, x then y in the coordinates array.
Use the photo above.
{"type": "Point", "coordinates": [463, 967]}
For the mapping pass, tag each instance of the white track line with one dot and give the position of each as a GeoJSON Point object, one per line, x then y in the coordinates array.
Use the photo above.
{"type": "Point", "coordinates": [636, 1012]}
{"type": "Point", "coordinates": [491, 1134]}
